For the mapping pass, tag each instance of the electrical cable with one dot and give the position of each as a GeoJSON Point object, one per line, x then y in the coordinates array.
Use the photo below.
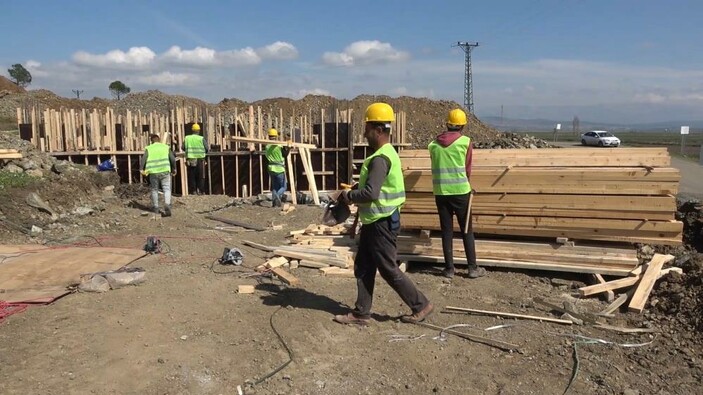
{"type": "Point", "coordinates": [285, 345]}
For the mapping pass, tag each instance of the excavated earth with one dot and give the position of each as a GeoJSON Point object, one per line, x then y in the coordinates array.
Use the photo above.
{"type": "Point", "coordinates": [186, 330]}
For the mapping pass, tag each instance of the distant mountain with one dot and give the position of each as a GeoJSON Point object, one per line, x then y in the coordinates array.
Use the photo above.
{"type": "Point", "coordinates": [547, 125]}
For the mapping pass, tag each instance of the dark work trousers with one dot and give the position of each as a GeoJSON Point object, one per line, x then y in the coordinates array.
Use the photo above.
{"type": "Point", "coordinates": [448, 207]}
{"type": "Point", "coordinates": [196, 176]}
{"type": "Point", "coordinates": [377, 251]}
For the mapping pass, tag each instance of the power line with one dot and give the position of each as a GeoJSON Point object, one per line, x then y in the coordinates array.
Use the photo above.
{"type": "Point", "coordinates": [468, 79]}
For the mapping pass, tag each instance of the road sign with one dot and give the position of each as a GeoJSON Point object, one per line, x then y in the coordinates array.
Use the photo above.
{"type": "Point", "coordinates": [684, 129]}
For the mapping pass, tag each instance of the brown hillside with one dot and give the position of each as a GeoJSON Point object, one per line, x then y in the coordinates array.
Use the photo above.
{"type": "Point", "coordinates": [425, 117]}
{"type": "Point", "coordinates": [9, 86]}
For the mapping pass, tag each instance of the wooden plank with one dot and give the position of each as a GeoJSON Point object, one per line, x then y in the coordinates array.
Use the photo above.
{"type": "Point", "coordinates": [531, 265]}
{"type": "Point", "coordinates": [267, 142]}
{"type": "Point", "coordinates": [609, 294]}
{"type": "Point", "coordinates": [291, 178]}
{"type": "Point", "coordinates": [304, 158]}
{"type": "Point", "coordinates": [639, 298]}
{"type": "Point", "coordinates": [555, 225]}
{"type": "Point", "coordinates": [235, 223]}
{"type": "Point", "coordinates": [510, 315]}
{"type": "Point", "coordinates": [245, 289]}
{"type": "Point", "coordinates": [286, 277]}
{"type": "Point", "coordinates": [608, 286]}
{"type": "Point", "coordinates": [478, 339]}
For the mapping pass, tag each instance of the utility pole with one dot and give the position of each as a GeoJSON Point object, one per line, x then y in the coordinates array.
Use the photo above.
{"type": "Point", "coordinates": [77, 93]}
{"type": "Point", "coordinates": [468, 80]}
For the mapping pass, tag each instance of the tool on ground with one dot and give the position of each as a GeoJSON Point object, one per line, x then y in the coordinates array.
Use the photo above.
{"type": "Point", "coordinates": [232, 256]}
{"type": "Point", "coordinates": [153, 245]}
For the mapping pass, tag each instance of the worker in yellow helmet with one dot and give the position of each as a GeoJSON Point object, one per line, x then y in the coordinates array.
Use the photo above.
{"type": "Point", "coordinates": [195, 147]}
{"type": "Point", "coordinates": [450, 154]}
{"type": "Point", "coordinates": [159, 164]}
{"type": "Point", "coordinates": [276, 156]}
{"type": "Point", "coordinates": [380, 194]}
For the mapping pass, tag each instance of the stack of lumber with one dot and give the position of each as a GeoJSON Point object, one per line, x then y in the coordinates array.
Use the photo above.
{"type": "Point", "coordinates": [526, 255]}
{"type": "Point", "coordinates": [637, 285]}
{"type": "Point", "coordinates": [10, 154]}
{"type": "Point", "coordinates": [624, 194]}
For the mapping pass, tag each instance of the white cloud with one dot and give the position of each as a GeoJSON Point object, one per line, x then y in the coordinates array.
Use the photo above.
{"type": "Point", "coordinates": [135, 57]}
{"type": "Point", "coordinates": [144, 57]}
{"type": "Point", "coordinates": [32, 64]}
{"type": "Point", "coordinates": [197, 57]}
{"type": "Point", "coordinates": [365, 53]}
{"type": "Point", "coordinates": [278, 51]}
{"type": "Point", "coordinates": [167, 78]}
{"type": "Point", "coordinates": [239, 57]}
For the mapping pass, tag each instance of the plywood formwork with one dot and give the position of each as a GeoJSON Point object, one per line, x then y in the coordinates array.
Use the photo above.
{"type": "Point", "coordinates": [89, 137]}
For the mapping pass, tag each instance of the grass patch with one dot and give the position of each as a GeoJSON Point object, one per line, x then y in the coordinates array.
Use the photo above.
{"type": "Point", "coordinates": [15, 180]}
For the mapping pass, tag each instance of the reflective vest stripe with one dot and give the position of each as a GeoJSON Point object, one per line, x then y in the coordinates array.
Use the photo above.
{"type": "Point", "coordinates": [195, 146]}
{"type": "Point", "coordinates": [448, 167]}
{"type": "Point", "coordinates": [392, 194]}
{"type": "Point", "coordinates": [157, 160]}
{"type": "Point", "coordinates": [274, 156]}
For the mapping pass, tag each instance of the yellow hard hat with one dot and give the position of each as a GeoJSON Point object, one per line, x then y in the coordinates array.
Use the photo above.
{"type": "Point", "coordinates": [457, 117]}
{"type": "Point", "coordinates": [195, 128]}
{"type": "Point", "coordinates": [273, 132]}
{"type": "Point", "coordinates": [379, 112]}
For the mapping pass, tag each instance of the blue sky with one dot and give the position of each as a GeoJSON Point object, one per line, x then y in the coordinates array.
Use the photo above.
{"type": "Point", "coordinates": [616, 61]}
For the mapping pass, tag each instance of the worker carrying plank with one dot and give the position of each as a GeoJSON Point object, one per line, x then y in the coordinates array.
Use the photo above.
{"type": "Point", "coordinates": [450, 155]}
{"type": "Point", "coordinates": [380, 195]}
{"type": "Point", "coordinates": [276, 155]}
{"type": "Point", "coordinates": [195, 147]}
{"type": "Point", "coordinates": [159, 164]}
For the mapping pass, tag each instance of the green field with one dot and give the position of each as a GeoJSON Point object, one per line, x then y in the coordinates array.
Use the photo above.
{"type": "Point", "coordinates": [641, 139]}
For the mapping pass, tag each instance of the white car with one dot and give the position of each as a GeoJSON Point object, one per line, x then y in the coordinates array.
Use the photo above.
{"type": "Point", "coordinates": [600, 138]}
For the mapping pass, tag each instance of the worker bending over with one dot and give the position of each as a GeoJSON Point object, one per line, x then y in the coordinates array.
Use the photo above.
{"type": "Point", "coordinates": [451, 153]}
{"type": "Point", "coordinates": [379, 197]}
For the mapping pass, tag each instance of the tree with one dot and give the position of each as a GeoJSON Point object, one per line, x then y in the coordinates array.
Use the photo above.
{"type": "Point", "coordinates": [20, 75]}
{"type": "Point", "coordinates": [118, 89]}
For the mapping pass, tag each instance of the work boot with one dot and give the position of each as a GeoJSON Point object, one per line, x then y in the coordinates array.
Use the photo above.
{"type": "Point", "coordinates": [476, 272]}
{"type": "Point", "coordinates": [420, 316]}
{"type": "Point", "coordinates": [448, 271]}
{"type": "Point", "coordinates": [167, 211]}
{"type": "Point", "coordinates": [351, 319]}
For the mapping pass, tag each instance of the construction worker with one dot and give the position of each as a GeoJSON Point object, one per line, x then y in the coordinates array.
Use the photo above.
{"type": "Point", "coordinates": [159, 164]}
{"type": "Point", "coordinates": [450, 153]}
{"type": "Point", "coordinates": [195, 147]}
{"type": "Point", "coordinates": [276, 156]}
{"type": "Point", "coordinates": [380, 194]}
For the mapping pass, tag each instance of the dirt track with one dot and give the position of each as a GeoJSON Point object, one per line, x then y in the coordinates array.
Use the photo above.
{"type": "Point", "coordinates": [187, 331]}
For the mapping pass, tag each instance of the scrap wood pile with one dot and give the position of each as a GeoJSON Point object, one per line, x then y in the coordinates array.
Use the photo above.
{"type": "Point", "coordinates": [624, 195]}
{"type": "Point", "coordinates": [321, 247]}
{"type": "Point", "coordinates": [635, 288]}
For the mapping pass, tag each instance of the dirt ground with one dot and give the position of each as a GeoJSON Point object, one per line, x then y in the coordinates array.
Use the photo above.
{"type": "Point", "coordinates": [187, 331]}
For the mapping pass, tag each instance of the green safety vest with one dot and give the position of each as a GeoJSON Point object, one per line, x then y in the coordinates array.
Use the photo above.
{"type": "Point", "coordinates": [392, 194]}
{"type": "Point", "coordinates": [195, 146]}
{"type": "Point", "coordinates": [157, 159]}
{"type": "Point", "coordinates": [274, 155]}
{"type": "Point", "coordinates": [449, 167]}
